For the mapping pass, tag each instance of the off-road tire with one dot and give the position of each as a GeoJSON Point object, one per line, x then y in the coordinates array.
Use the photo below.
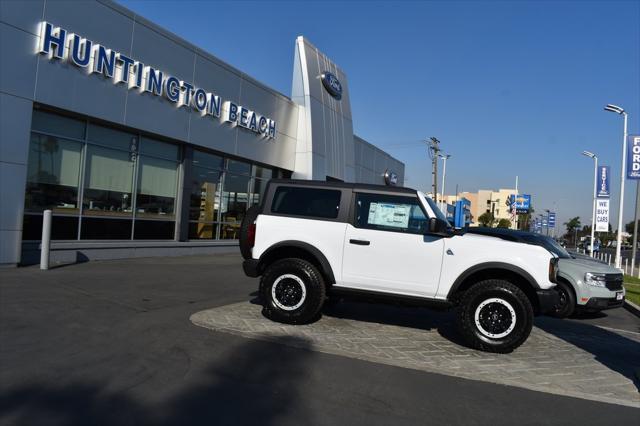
{"type": "Point", "coordinates": [510, 295]}
{"type": "Point", "coordinates": [291, 272]}
{"type": "Point", "coordinates": [249, 218]}
{"type": "Point", "coordinates": [566, 303]}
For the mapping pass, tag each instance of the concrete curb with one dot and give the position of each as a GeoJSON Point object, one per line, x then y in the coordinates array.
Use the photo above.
{"type": "Point", "coordinates": [632, 307]}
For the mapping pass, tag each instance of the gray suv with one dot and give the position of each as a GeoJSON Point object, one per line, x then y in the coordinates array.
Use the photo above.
{"type": "Point", "coordinates": [584, 284]}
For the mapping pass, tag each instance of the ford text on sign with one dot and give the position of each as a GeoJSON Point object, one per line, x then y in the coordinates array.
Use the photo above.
{"type": "Point", "coordinates": [602, 215]}
{"type": "Point", "coordinates": [633, 157]}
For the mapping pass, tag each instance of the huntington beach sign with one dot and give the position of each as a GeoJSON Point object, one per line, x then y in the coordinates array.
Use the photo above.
{"type": "Point", "coordinates": [59, 44]}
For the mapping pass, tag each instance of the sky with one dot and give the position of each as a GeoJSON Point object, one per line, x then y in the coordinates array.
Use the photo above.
{"type": "Point", "coordinates": [508, 87]}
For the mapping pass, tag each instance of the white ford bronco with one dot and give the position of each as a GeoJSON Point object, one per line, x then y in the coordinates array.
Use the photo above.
{"type": "Point", "coordinates": [312, 240]}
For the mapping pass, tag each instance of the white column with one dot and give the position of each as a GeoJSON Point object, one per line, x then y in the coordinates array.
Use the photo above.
{"type": "Point", "coordinates": [46, 240]}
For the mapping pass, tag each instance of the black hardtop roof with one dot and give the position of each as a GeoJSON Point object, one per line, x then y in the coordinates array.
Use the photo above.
{"type": "Point", "coordinates": [344, 185]}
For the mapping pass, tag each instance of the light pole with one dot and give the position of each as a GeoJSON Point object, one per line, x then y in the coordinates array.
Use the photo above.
{"type": "Point", "coordinates": [621, 111]}
{"type": "Point", "coordinates": [444, 157]}
{"type": "Point", "coordinates": [548, 211]}
{"type": "Point", "coordinates": [595, 185]}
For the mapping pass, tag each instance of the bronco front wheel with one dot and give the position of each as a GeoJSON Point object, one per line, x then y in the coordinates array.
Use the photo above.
{"type": "Point", "coordinates": [495, 316]}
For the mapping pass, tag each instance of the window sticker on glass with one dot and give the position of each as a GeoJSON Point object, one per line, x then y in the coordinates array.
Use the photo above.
{"type": "Point", "coordinates": [393, 215]}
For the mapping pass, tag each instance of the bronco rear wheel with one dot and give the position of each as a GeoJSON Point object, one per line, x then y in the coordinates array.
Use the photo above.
{"type": "Point", "coordinates": [495, 316]}
{"type": "Point", "coordinates": [292, 291]}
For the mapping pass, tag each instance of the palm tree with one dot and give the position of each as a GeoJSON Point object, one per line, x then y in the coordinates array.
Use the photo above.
{"type": "Point", "coordinates": [572, 226]}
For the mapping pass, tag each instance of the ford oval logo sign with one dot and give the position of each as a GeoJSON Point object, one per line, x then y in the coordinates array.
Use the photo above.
{"type": "Point", "coordinates": [332, 84]}
{"type": "Point", "coordinates": [390, 178]}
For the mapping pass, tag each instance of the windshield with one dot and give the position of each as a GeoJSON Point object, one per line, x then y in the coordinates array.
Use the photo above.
{"type": "Point", "coordinates": [550, 244]}
{"type": "Point", "coordinates": [435, 208]}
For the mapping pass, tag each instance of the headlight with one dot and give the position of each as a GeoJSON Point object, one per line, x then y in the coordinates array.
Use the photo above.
{"type": "Point", "coordinates": [595, 279]}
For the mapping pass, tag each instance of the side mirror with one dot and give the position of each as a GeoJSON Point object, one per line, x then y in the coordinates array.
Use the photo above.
{"type": "Point", "coordinates": [437, 226]}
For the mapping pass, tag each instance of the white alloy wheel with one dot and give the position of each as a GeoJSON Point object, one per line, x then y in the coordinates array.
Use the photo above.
{"type": "Point", "coordinates": [495, 318]}
{"type": "Point", "coordinates": [288, 292]}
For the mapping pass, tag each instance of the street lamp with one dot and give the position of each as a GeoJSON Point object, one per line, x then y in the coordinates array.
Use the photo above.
{"type": "Point", "coordinates": [595, 185]}
{"type": "Point", "coordinates": [444, 157]}
{"type": "Point", "coordinates": [621, 111]}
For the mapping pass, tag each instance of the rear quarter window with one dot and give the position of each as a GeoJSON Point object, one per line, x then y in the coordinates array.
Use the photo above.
{"type": "Point", "coordinates": [306, 202]}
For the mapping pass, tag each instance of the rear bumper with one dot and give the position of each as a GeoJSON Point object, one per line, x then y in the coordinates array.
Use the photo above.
{"type": "Point", "coordinates": [547, 299]}
{"type": "Point", "coordinates": [250, 267]}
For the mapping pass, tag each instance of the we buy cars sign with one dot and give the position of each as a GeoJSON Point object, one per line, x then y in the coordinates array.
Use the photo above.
{"type": "Point", "coordinates": [602, 215]}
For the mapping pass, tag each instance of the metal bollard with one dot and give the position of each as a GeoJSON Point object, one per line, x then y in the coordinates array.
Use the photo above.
{"type": "Point", "coordinates": [609, 259]}
{"type": "Point", "coordinates": [626, 264]}
{"type": "Point", "coordinates": [45, 245]}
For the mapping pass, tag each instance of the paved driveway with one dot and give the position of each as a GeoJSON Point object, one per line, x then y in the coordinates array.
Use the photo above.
{"type": "Point", "coordinates": [561, 357]}
{"type": "Point", "coordinates": [110, 343]}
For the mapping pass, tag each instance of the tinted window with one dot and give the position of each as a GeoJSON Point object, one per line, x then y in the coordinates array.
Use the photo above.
{"type": "Point", "coordinates": [390, 213]}
{"type": "Point", "coordinates": [311, 202]}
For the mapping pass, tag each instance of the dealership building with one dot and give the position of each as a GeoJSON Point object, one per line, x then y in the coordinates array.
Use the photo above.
{"type": "Point", "coordinates": [143, 144]}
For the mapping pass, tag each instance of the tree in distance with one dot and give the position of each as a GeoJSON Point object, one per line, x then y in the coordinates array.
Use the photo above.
{"type": "Point", "coordinates": [486, 220]}
{"type": "Point", "coordinates": [504, 223]}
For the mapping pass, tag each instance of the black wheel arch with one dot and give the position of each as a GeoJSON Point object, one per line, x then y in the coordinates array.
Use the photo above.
{"type": "Point", "coordinates": [496, 270]}
{"type": "Point", "coordinates": [301, 250]}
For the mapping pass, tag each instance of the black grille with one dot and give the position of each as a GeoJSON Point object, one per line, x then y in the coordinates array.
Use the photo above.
{"type": "Point", "coordinates": [613, 281]}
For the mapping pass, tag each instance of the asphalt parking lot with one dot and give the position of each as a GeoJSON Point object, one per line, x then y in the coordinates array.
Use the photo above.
{"type": "Point", "coordinates": [112, 343]}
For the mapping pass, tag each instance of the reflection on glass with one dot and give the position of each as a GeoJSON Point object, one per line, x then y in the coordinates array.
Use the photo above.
{"type": "Point", "coordinates": [157, 180]}
{"type": "Point", "coordinates": [259, 187]}
{"type": "Point", "coordinates": [203, 159]}
{"type": "Point", "coordinates": [57, 124]}
{"type": "Point", "coordinates": [52, 174]}
{"type": "Point", "coordinates": [202, 231]}
{"type": "Point", "coordinates": [108, 181]}
{"type": "Point", "coordinates": [239, 167]}
{"type": "Point", "coordinates": [159, 149]}
{"type": "Point", "coordinates": [95, 228]}
{"type": "Point", "coordinates": [262, 173]}
{"type": "Point", "coordinates": [153, 230]}
{"type": "Point", "coordinates": [112, 138]}
{"type": "Point", "coordinates": [204, 199]}
{"type": "Point", "coordinates": [62, 227]}
{"type": "Point", "coordinates": [234, 199]}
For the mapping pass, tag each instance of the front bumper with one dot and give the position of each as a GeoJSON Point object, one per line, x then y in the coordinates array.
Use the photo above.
{"type": "Point", "coordinates": [250, 267]}
{"type": "Point", "coordinates": [602, 303]}
{"type": "Point", "coordinates": [547, 300]}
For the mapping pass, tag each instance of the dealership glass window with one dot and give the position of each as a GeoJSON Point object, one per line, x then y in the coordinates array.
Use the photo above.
{"type": "Point", "coordinates": [53, 173]}
{"type": "Point", "coordinates": [156, 188]}
{"type": "Point", "coordinates": [112, 138]}
{"type": "Point", "coordinates": [235, 198]}
{"type": "Point", "coordinates": [108, 182]}
{"type": "Point", "coordinates": [261, 176]}
{"type": "Point", "coordinates": [204, 198]}
{"type": "Point", "coordinates": [54, 124]}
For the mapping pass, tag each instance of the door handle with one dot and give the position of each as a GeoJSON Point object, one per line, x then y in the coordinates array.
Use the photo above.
{"type": "Point", "coordinates": [360, 242]}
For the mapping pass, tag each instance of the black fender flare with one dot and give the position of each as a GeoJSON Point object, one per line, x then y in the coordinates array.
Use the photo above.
{"type": "Point", "coordinates": [492, 265]}
{"type": "Point", "coordinates": [325, 266]}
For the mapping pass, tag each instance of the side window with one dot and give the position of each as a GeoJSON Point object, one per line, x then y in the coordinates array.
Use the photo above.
{"type": "Point", "coordinates": [390, 213]}
{"type": "Point", "coordinates": [307, 202]}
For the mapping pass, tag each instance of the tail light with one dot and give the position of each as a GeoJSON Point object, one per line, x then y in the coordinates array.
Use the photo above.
{"type": "Point", "coordinates": [251, 234]}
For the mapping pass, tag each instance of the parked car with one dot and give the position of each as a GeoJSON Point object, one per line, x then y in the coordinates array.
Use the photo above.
{"type": "Point", "coordinates": [584, 283]}
{"type": "Point", "coordinates": [310, 239]}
